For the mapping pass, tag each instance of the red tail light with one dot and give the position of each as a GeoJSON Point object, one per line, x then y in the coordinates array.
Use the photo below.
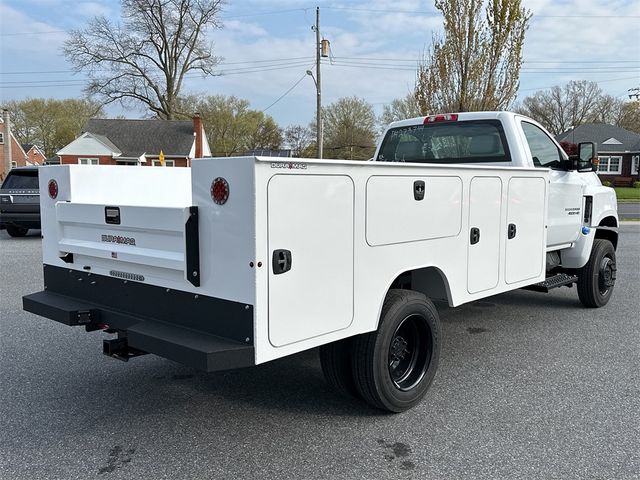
{"type": "Point", "coordinates": [53, 189]}
{"type": "Point", "coordinates": [220, 191]}
{"type": "Point", "coordinates": [443, 117]}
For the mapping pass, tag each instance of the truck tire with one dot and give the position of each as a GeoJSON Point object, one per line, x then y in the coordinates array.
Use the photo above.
{"type": "Point", "coordinates": [394, 366]}
{"type": "Point", "coordinates": [335, 359]}
{"type": "Point", "coordinates": [598, 277]}
{"type": "Point", "coordinates": [14, 231]}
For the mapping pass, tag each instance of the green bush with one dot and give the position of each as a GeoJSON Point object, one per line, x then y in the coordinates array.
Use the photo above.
{"type": "Point", "coordinates": [607, 183]}
{"type": "Point", "coordinates": [636, 184]}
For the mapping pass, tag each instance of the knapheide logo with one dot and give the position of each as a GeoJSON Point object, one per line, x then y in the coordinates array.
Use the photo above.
{"type": "Point", "coordinates": [119, 239]}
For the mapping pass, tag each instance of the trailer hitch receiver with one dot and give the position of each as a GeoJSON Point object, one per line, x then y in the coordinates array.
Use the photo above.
{"type": "Point", "coordinates": [119, 348]}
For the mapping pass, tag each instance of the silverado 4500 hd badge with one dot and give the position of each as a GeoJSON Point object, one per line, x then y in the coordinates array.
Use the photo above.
{"type": "Point", "coordinates": [119, 239]}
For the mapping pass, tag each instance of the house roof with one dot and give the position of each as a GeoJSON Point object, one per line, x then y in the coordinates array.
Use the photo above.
{"type": "Point", "coordinates": [610, 139]}
{"type": "Point", "coordinates": [28, 146]}
{"type": "Point", "coordinates": [136, 137]}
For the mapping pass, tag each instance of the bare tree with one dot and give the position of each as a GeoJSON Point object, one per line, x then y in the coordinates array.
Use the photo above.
{"type": "Point", "coordinates": [399, 109]}
{"type": "Point", "coordinates": [573, 104]}
{"type": "Point", "coordinates": [630, 118]}
{"type": "Point", "coordinates": [299, 139]}
{"type": "Point", "coordinates": [476, 64]}
{"type": "Point", "coordinates": [349, 129]}
{"type": "Point", "coordinates": [146, 58]}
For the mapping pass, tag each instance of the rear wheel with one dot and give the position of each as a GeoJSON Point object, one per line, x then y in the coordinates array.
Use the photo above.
{"type": "Point", "coordinates": [14, 231]}
{"type": "Point", "coordinates": [394, 366]}
{"type": "Point", "coordinates": [335, 359]}
{"type": "Point", "coordinates": [598, 277]}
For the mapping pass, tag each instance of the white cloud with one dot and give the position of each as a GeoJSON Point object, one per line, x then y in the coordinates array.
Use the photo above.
{"type": "Point", "coordinates": [92, 9]}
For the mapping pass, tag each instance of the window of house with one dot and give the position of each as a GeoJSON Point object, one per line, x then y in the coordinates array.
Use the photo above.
{"type": "Point", "coordinates": [1, 138]}
{"type": "Point", "coordinates": [88, 161]}
{"type": "Point", "coordinates": [635, 165]}
{"type": "Point", "coordinates": [544, 151]}
{"type": "Point", "coordinates": [14, 164]}
{"type": "Point", "coordinates": [611, 165]}
{"type": "Point", "coordinates": [167, 163]}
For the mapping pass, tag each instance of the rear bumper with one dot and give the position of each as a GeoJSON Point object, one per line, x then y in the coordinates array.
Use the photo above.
{"type": "Point", "coordinates": [202, 332]}
{"type": "Point", "coordinates": [20, 219]}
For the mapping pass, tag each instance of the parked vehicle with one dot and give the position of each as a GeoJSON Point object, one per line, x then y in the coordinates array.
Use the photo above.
{"type": "Point", "coordinates": [20, 201]}
{"type": "Point", "coordinates": [240, 261]}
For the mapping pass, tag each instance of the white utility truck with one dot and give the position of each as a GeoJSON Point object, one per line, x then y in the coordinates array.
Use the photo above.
{"type": "Point", "coordinates": [239, 261]}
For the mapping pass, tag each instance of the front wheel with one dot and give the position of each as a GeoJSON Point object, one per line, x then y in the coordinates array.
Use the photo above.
{"type": "Point", "coordinates": [17, 231]}
{"type": "Point", "coordinates": [394, 366]}
{"type": "Point", "coordinates": [598, 277]}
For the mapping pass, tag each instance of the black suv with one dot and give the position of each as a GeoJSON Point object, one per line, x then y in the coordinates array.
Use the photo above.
{"type": "Point", "coordinates": [20, 201]}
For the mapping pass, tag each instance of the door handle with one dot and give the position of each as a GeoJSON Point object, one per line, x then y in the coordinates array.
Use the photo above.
{"type": "Point", "coordinates": [418, 190]}
{"type": "Point", "coordinates": [281, 261]}
{"type": "Point", "coordinates": [474, 237]}
{"type": "Point", "coordinates": [511, 231]}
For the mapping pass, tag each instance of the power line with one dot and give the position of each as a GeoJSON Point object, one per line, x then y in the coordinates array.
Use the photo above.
{"type": "Point", "coordinates": [262, 61]}
{"type": "Point", "coordinates": [434, 13]}
{"type": "Point", "coordinates": [599, 81]}
{"type": "Point", "coordinates": [286, 93]}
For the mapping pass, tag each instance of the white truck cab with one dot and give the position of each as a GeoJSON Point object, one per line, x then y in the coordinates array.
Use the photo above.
{"type": "Point", "coordinates": [239, 261]}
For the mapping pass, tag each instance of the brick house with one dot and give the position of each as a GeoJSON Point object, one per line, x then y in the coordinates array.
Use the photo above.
{"type": "Point", "coordinates": [11, 153]}
{"type": "Point", "coordinates": [138, 142]}
{"type": "Point", "coordinates": [618, 151]}
{"type": "Point", "coordinates": [35, 156]}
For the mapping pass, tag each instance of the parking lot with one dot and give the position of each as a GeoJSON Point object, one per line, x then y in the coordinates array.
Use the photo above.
{"type": "Point", "coordinates": [529, 386]}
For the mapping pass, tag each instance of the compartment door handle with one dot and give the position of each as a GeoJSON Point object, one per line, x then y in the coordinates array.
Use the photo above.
{"type": "Point", "coordinates": [281, 261]}
{"type": "Point", "coordinates": [474, 236]}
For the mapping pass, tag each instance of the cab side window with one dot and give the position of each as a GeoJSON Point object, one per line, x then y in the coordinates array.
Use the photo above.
{"type": "Point", "coordinates": [545, 153]}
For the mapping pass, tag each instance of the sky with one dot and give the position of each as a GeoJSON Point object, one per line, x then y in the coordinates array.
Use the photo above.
{"type": "Point", "coordinates": [267, 46]}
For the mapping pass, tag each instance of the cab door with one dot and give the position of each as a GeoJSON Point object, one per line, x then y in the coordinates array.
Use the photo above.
{"type": "Point", "coordinates": [565, 193]}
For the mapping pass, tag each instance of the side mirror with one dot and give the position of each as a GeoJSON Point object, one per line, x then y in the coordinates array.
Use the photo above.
{"type": "Point", "coordinates": [587, 159]}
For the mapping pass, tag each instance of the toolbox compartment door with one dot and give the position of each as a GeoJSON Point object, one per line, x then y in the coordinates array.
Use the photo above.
{"type": "Point", "coordinates": [525, 251]}
{"type": "Point", "coordinates": [135, 238]}
{"type": "Point", "coordinates": [485, 204]}
{"type": "Point", "coordinates": [403, 209]}
{"type": "Point", "coordinates": [311, 287]}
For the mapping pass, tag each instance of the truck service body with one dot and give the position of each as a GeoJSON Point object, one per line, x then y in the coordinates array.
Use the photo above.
{"type": "Point", "coordinates": [239, 261]}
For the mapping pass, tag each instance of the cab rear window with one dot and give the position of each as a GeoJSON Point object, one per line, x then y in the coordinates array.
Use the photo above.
{"type": "Point", "coordinates": [26, 180]}
{"type": "Point", "coordinates": [446, 142]}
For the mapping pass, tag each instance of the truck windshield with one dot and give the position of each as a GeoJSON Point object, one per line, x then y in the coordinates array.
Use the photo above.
{"type": "Point", "coordinates": [446, 142]}
{"type": "Point", "coordinates": [26, 180]}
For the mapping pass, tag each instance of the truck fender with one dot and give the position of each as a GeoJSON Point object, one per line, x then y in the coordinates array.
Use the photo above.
{"type": "Point", "coordinates": [578, 255]}
{"type": "Point", "coordinates": [429, 280]}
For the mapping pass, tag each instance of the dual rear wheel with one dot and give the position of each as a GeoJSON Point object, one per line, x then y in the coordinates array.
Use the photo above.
{"type": "Point", "coordinates": [393, 367]}
{"type": "Point", "coordinates": [14, 231]}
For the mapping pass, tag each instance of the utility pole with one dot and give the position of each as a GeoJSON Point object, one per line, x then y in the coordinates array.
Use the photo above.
{"type": "Point", "coordinates": [318, 87]}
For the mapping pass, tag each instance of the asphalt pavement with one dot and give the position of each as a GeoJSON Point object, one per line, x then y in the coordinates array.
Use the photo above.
{"type": "Point", "coordinates": [530, 386]}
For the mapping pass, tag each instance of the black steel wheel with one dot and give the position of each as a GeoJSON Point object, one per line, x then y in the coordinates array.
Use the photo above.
{"type": "Point", "coordinates": [14, 231]}
{"type": "Point", "coordinates": [598, 277]}
{"type": "Point", "coordinates": [394, 366]}
{"type": "Point", "coordinates": [335, 359]}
